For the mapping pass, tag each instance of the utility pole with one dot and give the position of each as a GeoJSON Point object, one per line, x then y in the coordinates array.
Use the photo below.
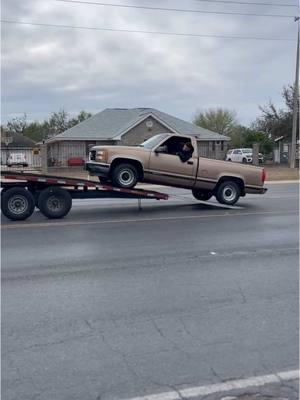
{"type": "Point", "coordinates": [44, 157]}
{"type": "Point", "coordinates": [296, 103]}
{"type": "Point", "coordinates": [255, 151]}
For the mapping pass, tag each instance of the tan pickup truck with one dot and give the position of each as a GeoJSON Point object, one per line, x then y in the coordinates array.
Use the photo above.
{"type": "Point", "coordinates": [158, 160]}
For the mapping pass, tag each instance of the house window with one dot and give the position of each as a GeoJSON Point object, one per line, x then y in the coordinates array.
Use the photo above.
{"type": "Point", "coordinates": [213, 146]}
{"type": "Point", "coordinates": [203, 149]}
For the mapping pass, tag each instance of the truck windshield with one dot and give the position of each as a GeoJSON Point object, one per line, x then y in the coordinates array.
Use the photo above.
{"type": "Point", "coordinates": [154, 140]}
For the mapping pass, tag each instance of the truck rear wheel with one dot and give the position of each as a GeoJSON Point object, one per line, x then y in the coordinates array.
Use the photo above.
{"type": "Point", "coordinates": [17, 203]}
{"type": "Point", "coordinates": [228, 192]}
{"type": "Point", "coordinates": [54, 202]}
{"type": "Point", "coordinates": [202, 194]}
{"type": "Point", "coordinates": [125, 176]}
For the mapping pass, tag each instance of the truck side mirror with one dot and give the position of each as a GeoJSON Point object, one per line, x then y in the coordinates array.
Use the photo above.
{"type": "Point", "coordinates": [160, 149]}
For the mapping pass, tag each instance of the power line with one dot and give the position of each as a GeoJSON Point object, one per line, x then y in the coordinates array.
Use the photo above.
{"type": "Point", "coordinates": [247, 3]}
{"type": "Point", "coordinates": [147, 32]}
{"type": "Point", "coordinates": [182, 10]}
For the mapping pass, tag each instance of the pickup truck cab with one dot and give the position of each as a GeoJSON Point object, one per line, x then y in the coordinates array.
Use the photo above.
{"type": "Point", "coordinates": [157, 161]}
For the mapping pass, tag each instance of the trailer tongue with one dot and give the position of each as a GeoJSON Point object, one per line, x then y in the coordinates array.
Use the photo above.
{"type": "Point", "coordinates": [22, 192]}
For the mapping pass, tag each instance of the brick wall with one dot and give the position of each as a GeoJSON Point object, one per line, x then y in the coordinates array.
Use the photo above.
{"type": "Point", "coordinates": [140, 133]}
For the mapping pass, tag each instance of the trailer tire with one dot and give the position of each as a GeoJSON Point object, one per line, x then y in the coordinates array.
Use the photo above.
{"type": "Point", "coordinates": [54, 202]}
{"type": "Point", "coordinates": [17, 203]}
{"type": "Point", "coordinates": [202, 194]}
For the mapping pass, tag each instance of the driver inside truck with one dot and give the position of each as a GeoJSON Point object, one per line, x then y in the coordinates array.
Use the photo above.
{"type": "Point", "coordinates": [186, 152]}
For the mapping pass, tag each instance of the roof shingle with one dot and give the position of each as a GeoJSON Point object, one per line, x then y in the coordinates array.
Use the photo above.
{"type": "Point", "coordinates": [112, 123]}
{"type": "Point", "coordinates": [18, 140]}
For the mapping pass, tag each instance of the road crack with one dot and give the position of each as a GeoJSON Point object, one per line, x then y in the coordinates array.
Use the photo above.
{"type": "Point", "coordinates": [242, 295]}
{"type": "Point", "coordinates": [121, 354]}
{"type": "Point", "coordinates": [167, 339]}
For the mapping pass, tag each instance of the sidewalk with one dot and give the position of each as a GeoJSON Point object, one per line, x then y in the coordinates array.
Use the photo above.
{"type": "Point", "coordinates": [281, 173]}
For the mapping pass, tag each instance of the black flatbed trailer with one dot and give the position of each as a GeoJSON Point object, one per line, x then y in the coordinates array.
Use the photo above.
{"type": "Point", "coordinates": [23, 191]}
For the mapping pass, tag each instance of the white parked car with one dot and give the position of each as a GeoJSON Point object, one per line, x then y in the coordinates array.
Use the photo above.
{"type": "Point", "coordinates": [243, 155]}
{"type": "Point", "coordinates": [17, 159]}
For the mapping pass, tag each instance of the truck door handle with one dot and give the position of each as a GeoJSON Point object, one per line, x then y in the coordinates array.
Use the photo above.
{"type": "Point", "coordinates": [190, 162]}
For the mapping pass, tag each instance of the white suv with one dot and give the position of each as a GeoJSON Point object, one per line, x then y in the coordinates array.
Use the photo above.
{"type": "Point", "coordinates": [242, 155]}
{"type": "Point", "coordinates": [17, 159]}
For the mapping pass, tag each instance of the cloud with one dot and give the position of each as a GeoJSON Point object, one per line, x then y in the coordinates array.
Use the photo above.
{"type": "Point", "coordinates": [45, 68]}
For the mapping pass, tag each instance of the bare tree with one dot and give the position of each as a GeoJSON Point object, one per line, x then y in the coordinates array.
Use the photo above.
{"type": "Point", "coordinates": [17, 124]}
{"type": "Point", "coordinates": [219, 120]}
{"type": "Point", "coordinates": [275, 121]}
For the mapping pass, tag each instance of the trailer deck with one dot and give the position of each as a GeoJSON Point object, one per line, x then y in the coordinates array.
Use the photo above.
{"type": "Point", "coordinates": [23, 191]}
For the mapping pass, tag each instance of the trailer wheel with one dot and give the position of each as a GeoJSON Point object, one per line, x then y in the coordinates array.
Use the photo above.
{"type": "Point", "coordinates": [17, 203]}
{"type": "Point", "coordinates": [202, 194]}
{"type": "Point", "coordinates": [54, 202]}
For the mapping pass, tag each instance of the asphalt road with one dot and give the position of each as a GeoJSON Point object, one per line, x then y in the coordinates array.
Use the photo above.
{"type": "Point", "coordinates": [114, 303]}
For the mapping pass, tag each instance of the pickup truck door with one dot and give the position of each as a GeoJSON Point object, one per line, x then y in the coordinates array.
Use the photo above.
{"type": "Point", "coordinates": [168, 169]}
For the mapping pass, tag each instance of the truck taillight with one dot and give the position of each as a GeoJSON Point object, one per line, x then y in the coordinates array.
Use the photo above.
{"type": "Point", "coordinates": [263, 175]}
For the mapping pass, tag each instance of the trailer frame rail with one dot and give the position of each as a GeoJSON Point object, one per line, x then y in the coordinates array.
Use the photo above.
{"type": "Point", "coordinates": [23, 191]}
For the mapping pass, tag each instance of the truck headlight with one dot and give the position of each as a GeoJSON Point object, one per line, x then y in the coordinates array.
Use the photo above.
{"type": "Point", "coordinates": [101, 155]}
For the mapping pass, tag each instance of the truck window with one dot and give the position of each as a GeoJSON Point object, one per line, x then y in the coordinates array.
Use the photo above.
{"type": "Point", "coordinates": [153, 141]}
{"type": "Point", "coordinates": [175, 144]}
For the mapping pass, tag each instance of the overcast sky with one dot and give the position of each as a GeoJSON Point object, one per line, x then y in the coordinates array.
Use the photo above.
{"type": "Point", "coordinates": [45, 69]}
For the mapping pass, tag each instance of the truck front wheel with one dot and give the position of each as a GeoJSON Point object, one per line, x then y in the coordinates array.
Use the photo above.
{"type": "Point", "coordinates": [125, 176]}
{"type": "Point", "coordinates": [202, 194]}
{"type": "Point", "coordinates": [228, 192]}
